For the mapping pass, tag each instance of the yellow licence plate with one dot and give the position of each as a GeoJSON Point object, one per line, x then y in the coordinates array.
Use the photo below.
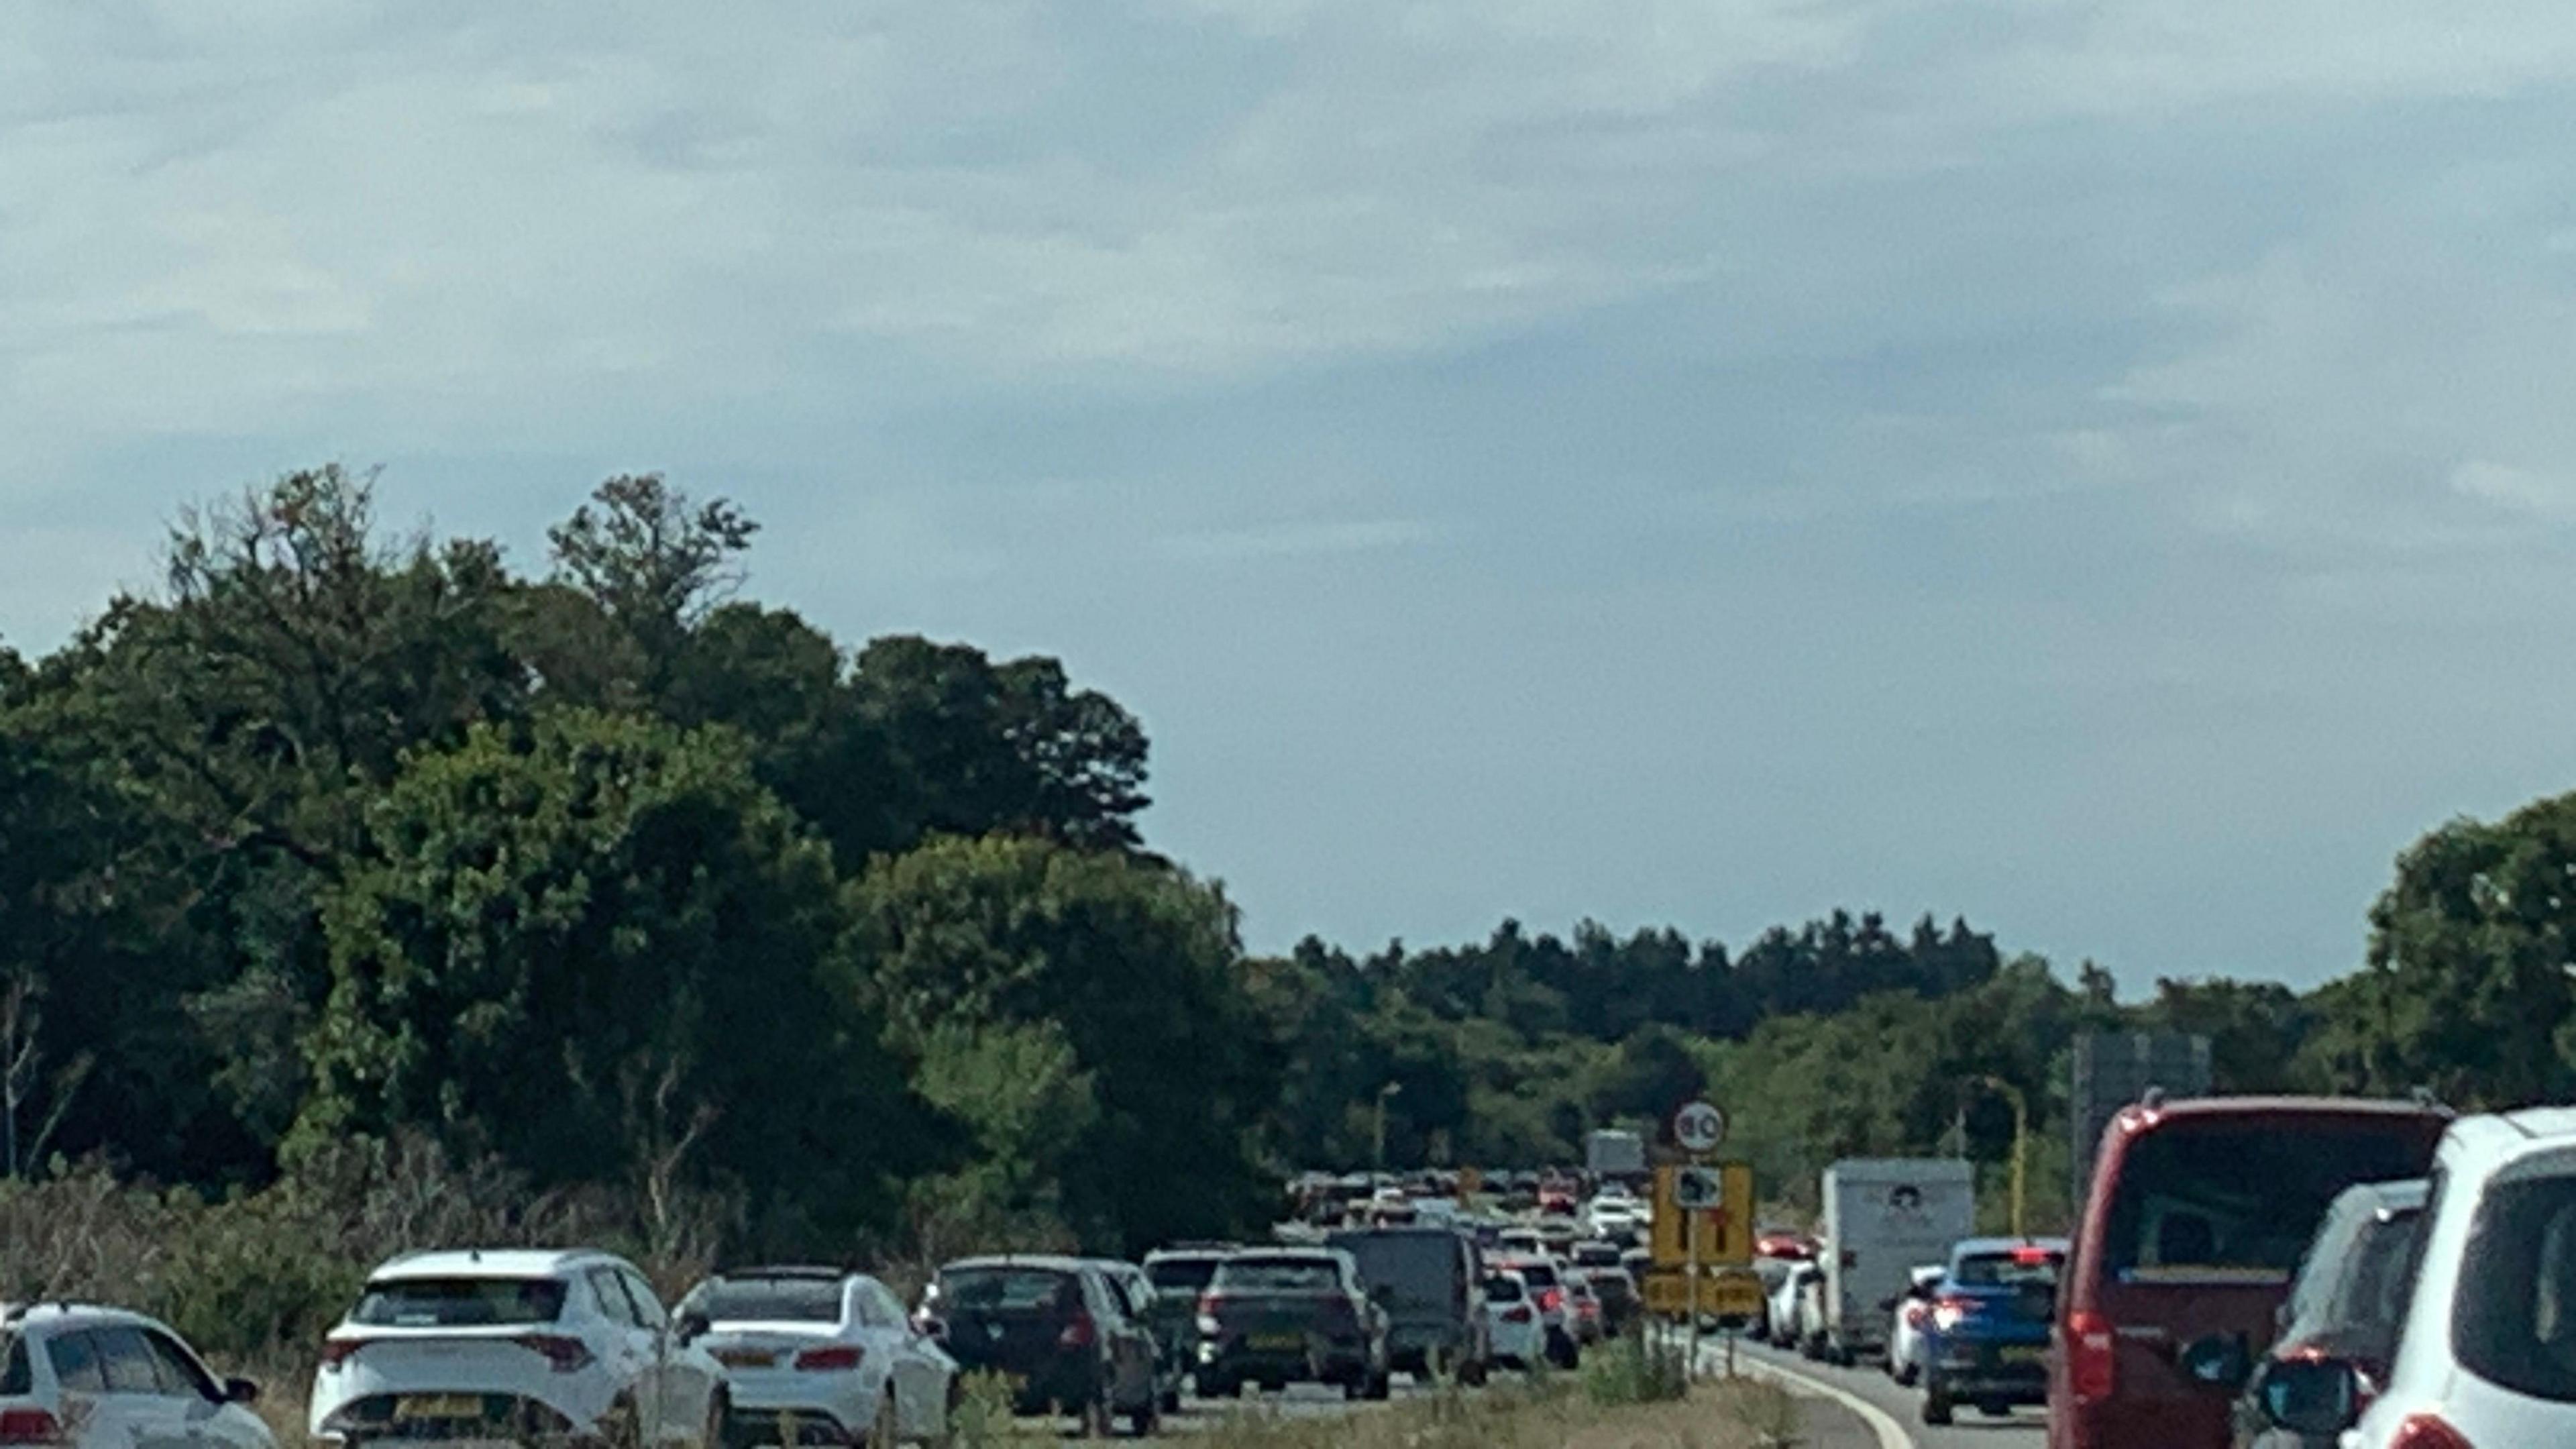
{"type": "Point", "coordinates": [746, 1359]}
{"type": "Point", "coordinates": [439, 1406]}
{"type": "Point", "coordinates": [2021, 1353]}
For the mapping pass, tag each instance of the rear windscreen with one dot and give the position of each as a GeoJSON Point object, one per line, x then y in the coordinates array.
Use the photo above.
{"type": "Point", "coordinates": [1503, 1290]}
{"type": "Point", "coordinates": [1182, 1275]}
{"type": "Point", "coordinates": [1278, 1275]}
{"type": "Point", "coordinates": [2007, 1270]}
{"type": "Point", "coordinates": [768, 1300]}
{"type": "Point", "coordinates": [459, 1302]}
{"type": "Point", "coordinates": [2240, 1201]}
{"type": "Point", "coordinates": [1009, 1288]}
{"type": "Point", "coordinates": [1537, 1275]}
{"type": "Point", "coordinates": [2514, 1317]}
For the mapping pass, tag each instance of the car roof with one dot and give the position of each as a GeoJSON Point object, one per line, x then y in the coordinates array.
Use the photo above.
{"type": "Point", "coordinates": [495, 1263]}
{"type": "Point", "coordinates": [59, 1314]}
{"type": "Point", "coordinates": [2384, 1199]}
{"type": "Point", "coordinates": [1966, 1246]}
{"type": "Point", "coordinates": [2157, 1110]}
{"type": "Point", "coordinates": [2487, 1143]}
{"type": "Point", "coordinates": [1049, 1262]}
{"type": "Point", "coordinates": [797, 1273]}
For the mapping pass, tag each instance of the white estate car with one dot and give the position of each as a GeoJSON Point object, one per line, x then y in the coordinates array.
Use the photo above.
{"type": "Point", "coordinates": [517, 1345]}
{"type": "Point", "coordinates": [83, 1377]}
{"type": "Point", "coordinates": [1512, 1322]}
{"type": "Point", "coordinates": [2486, 1358]}
{"type": "Point", "coordinates": [821, 1356]}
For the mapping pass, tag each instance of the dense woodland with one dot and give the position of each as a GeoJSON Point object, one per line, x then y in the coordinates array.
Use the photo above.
{"type": "Point", "coordinates": [346, 845]}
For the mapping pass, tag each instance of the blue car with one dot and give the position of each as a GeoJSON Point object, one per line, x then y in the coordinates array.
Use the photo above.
{"type": "Point", "coordinates": [1987, 1339]}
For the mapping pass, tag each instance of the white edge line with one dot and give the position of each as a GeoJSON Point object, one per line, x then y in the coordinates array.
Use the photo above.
{"type": "Point", "coordinates": [1891, 1434]}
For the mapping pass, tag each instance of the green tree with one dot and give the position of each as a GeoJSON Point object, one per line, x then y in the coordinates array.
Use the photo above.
{"type": "Point", "coordinates": [1138, 966]}
{"type": "Point", "coordinates": [602, 949]}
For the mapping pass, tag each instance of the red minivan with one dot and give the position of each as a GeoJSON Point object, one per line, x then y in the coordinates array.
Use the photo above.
{"type": "Point", "coordinates": [2196, 1218]}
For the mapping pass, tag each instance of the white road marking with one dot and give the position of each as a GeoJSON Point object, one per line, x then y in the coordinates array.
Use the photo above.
{"type": "Point", "coordinates": [1891, 1434]}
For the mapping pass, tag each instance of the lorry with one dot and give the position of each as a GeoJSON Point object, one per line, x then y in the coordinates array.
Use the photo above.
{"type": "Point", "coordinates": [1430, 1279]}
{"type": "Point", "coordinates": [1884, 1216]}
{"type": "Point", "coordinates": [1610, 1153]}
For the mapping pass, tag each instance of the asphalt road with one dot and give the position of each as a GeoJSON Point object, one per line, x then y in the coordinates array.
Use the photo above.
{"type": "Point", "coordinates": [2026, 1429]}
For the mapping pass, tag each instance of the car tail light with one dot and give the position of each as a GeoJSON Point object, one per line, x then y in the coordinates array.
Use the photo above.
{"type": "Point", "coordinates": [29, 1426]}
{"type": "Point", "coordinates": [1551, 1300]}
{"type": "Point", "coordinates": [2031, 1257]}
{"type": "Point", "coordinates": [1914, 1315]}
{"type": "Point", "coordinates": [1081, 1332]}
{"type": "Point", "coordinates": [1947, 1312]}
{"type": "Point", "coordinates": [1517, 1315]}
{"type": "Point", "coordinates": [2427, 1431]}
{"type": "Point", "coordinates": [2092, 1350]}
{"type": "Point", "coordinates": [337, 1351]}
{"type": "Point", "coordinates": [567, 1355]}
{"type": "Point", "coordinates": [837, 1358]}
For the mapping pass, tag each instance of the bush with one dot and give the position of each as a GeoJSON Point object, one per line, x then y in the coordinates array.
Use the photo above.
{"type": "Point", "coordinates": [1636, 1369]}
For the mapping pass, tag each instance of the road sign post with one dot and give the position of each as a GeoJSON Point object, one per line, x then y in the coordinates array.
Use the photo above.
{"type": "Point", "coordinates": [1698, 1129]}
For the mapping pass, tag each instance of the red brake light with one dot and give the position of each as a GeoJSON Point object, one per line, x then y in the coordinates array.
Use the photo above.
{"type": "Point", "coordinates": [2092, 1351]}
{"type": "Point", "coordinates": [1551, 1299]}
{"type": "Point", "coordinates": [1520, 1314]}
{"type": "Point", "coordinates": [567, 1355]}
{"type": "Point", "coordinates": [337, 1351]}
{"type": "Point", "coordinates": [2031, 1256]}
{"type": "Point", "coordinates": [1079, 1333]}
{"type": "Point", "coordinates": [825, 1360]}
{"type": "Point", "coordinates": [29, 1426]}
{"type": "Point", "coordinates": [2427, 1431]}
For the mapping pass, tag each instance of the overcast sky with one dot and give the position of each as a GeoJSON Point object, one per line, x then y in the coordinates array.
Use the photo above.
{"type": "Point", "coordinates": [2105, 469]}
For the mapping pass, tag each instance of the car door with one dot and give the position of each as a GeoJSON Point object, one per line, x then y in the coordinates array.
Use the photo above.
{"type": "Point", "coordinates": [638, 1365]}
{"type": "Point", "coordinates": [91, 1418]}
{"type": "Point", "coordinates": [683, 1375]}
{"type": "Point", "coordinates": [154, 1416]}
{"type": "Point", "coordinates": [1131, 1350]}
{"type": "Point", "coordinates": [215, 1422]}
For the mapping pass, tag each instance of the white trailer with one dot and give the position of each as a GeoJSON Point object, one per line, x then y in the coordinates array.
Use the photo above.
{"type": "Point", "coordinates": [1884, 1216]}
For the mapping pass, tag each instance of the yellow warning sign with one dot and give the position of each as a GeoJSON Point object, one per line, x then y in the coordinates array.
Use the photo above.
{"type": "Point", "coordinates": [1724, 1293]}
{"type": "Point", "coordinates": [1725, 1230]}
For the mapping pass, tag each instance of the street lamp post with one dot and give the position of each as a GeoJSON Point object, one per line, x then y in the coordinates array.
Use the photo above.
{"type": "Point", "coordinates": [1385, 1094]}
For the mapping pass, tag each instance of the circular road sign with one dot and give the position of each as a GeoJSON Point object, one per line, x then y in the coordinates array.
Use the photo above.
{"type": "Point", "coordinates": [1699, 1127]}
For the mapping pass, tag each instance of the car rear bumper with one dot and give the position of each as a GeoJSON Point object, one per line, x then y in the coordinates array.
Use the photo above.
{"type": "Point", "coordinates": [1334, 1363]}
{"type": "Point", "coordinates": [2011, 1373]}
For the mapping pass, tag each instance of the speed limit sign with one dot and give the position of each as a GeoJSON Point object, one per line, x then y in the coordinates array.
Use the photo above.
{"type": "Point", "coordinates": [1699, 1127]}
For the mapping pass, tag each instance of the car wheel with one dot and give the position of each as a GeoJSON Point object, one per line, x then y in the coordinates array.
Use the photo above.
{"type": "Point", "coordinates": [1146, 1422]}
{"type": "Point", "coordinates": [1907, 1376]}
{"type": "Point", "coordinates": [1473, 1373]}
{"type": "Point", "coordinates": [1380, 1385]}
{"type": "Point", "coordinates": [1936, 1404]}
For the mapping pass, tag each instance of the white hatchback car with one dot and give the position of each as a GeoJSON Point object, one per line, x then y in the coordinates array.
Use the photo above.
{"type": "Point", "coordinates": [515, 1346]}
{"type": "Point", "coordinates": [2486, 1356]}
{"type": "Point", "coordinates": [1512, 1322]}
{"type": "Point", "coordinates": [816, 1356]}
{"type": "Point", "coordinates": [83, 1377]}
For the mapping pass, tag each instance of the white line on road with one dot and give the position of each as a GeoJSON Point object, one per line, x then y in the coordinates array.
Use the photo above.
{"type": "Point", "coordinates": [1891, 1434]}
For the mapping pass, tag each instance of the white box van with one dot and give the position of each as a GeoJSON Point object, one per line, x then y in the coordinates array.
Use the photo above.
{"type": "Point", "coordinates": [1884, 1215]}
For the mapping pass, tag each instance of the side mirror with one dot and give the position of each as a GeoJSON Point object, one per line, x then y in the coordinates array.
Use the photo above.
{"type": "Point", "coordinates": [240, 1391]}
{"type": "Point", "coordinates": [2317, 1397]}
{"type": "Point", "coordinates": [691, 1327]}
{"type": "Point", "coordinates": [2219, 1361]}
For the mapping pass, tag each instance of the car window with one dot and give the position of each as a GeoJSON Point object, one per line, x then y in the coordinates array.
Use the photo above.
{"type": "Point", "coordinates": [1503, 1290]}
{"type": "Point", "coordinates": [1186, 1276]}
{"type": "Point", "coordinates": [606, 1287]}
{"type": "Point", "coordinates": [181, 1374]}
{"type": "Point", "coordinates": [2514, 1316]}
{"type": "Point", "coordinates": [767, 1300]}
{"type": "Point", "coordinates": [1009, 1289]}
{"type": "Point", "coordinates": [884, 1310]}
{"type": "Point", "coordinates": [2239, 1200]}
{"type": "Point", "coordinates": [75, 1360]}
{"type": "Point", "coordinates": [648, 1304]}
{"type": "Point", "coordinates": [1279, 1275]}
{"type": "Point", "coordinates": [128, 1362]}
{"type": "Point", "coordinates": [2007, 1269]}
{"type": "Point", "coordinates": [18, 1374]}
{"type": "Point", "coordinates": [459, 1302]}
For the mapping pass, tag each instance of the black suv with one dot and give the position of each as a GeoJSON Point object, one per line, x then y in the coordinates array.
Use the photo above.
{"type": "Point", "coordinates": [1277, 1316]}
